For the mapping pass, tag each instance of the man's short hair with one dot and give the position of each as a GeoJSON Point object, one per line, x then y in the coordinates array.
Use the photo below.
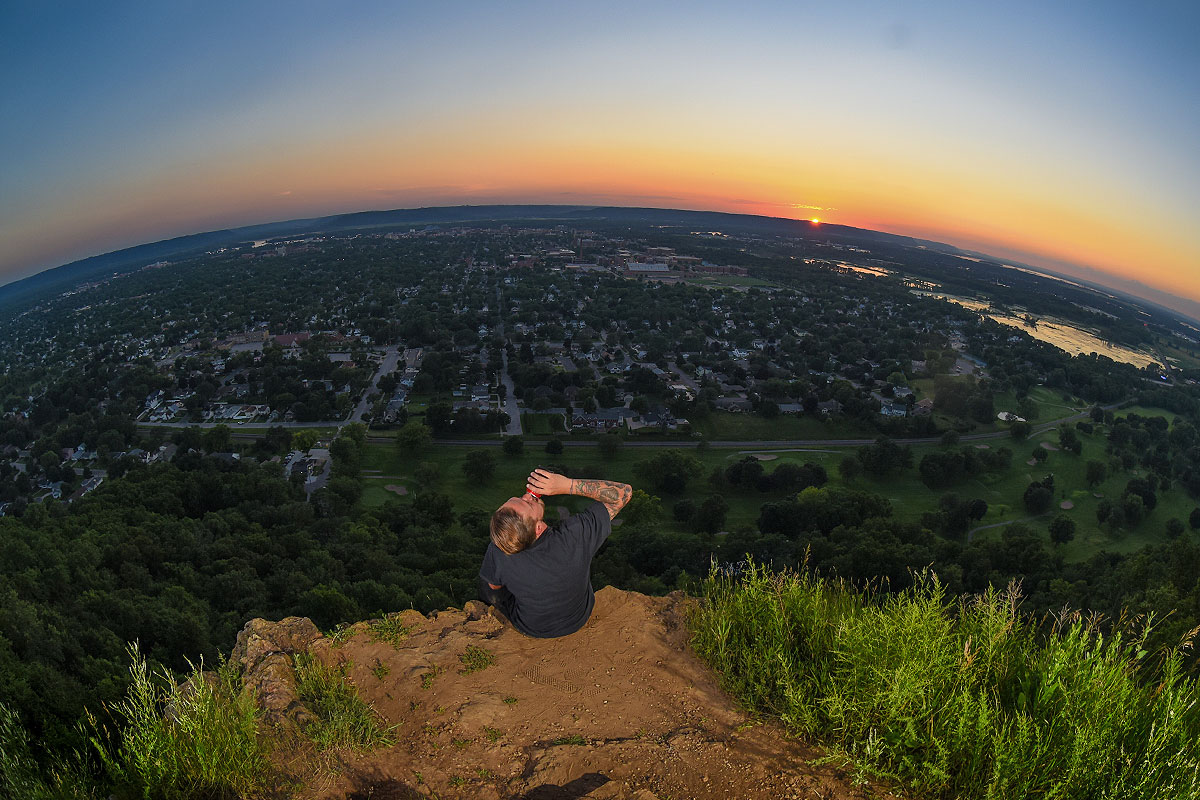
{"type": "Point", "coordinates": [511, 532]}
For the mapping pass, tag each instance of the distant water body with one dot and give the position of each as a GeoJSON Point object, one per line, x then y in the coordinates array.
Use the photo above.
{"type": "Point", "coordinates": [1057, 332]}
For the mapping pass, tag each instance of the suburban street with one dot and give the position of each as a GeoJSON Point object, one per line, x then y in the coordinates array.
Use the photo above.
{"type": "Point", "coordinates": [390, 358]}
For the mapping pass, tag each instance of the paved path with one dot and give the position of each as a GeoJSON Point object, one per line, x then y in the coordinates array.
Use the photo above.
{"type": "Point", "coordinates": [510, 398]}
{"type": "Point", "coordinates": [390, 357]}
{"type": "Point", "coordinates": [684, 378]}
{"type": "Point", "coordinates": [971, 533]}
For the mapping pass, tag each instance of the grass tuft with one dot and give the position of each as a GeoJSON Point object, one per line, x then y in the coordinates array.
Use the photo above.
{"type": "Point", "coordinates": [343, 720]}
{"type": "Point", "coordinates": [389, 630]}
{"type": "Point", "coordinates": [574, 739]}
{"type": "Point", "coordinates": [475, 659]}
{"type": "Point", "coordinates": [962, 699]}
{"type": "Point", "coordinates": [428, 677]}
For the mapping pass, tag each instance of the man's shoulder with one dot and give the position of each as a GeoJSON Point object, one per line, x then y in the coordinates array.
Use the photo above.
{"type": "Point", "coordinates": [594, 510]}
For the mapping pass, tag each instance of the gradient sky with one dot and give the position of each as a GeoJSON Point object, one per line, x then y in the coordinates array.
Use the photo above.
{"type": "Point", "coordinates": [1064, 134]}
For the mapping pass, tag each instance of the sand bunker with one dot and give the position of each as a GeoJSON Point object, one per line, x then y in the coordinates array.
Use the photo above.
{"type": "Point", "coordinates": [1032, 462]}
{"type": "Point", "coordinates": [983, 447]}
{"type": "Point", "coordinates": [1049, 446]}
{"type": "Point", "coordinates": [765, 457]}
{"type": "Point", "coordinates": [1066, 505]}
{"type": "Point", "coordinates": [397, 488]}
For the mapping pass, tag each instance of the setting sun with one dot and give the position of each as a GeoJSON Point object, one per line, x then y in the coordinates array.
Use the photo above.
{"type": "Point", "coordinates": [815, 221]}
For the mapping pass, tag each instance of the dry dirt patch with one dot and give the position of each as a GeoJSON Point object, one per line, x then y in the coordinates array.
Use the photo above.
{"type": "Point", "coordinates": [619, 709]}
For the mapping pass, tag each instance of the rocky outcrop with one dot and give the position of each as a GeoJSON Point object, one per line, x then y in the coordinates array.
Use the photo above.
{"type": "Point", "coordinates": [620, 709]}
{"type": "Point", "coordinates": [265, 652]}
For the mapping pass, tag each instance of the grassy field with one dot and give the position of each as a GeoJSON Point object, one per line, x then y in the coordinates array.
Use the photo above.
{"type": "Point", "coordinates": [910, 498]}
{"type": "Point", "coordinates": [1185, 357]}
{"type": "Point", "coordinates": [541, 424]}
{"type": "Point", "coordinates": [384, 465]}
{"type": "Point", "coordinates": [738, 426]}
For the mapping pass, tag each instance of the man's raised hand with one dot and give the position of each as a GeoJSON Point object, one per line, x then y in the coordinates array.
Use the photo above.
{"type": "Point", "coordinates": [543, 482]}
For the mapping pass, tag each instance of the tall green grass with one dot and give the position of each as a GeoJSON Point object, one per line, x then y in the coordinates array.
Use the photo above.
{"type": "Point", "coordinates": [341, 718]}
{"type": "Point", "coordinates": [194, 740]}
{"type": "Point", "coordinates": [21, 776]}
{"type": "Point", "coordinates": [957, 699]}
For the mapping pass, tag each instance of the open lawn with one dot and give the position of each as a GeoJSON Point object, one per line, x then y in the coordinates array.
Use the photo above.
{"type": "Point", "coordinates": [729, 280]}
{"type": "Point", "coordinates": [910, 498]}
{"type": "Point", "coordinates": [729, 426]}
{"type": "Point", "coordinates": [384, 464]}
{"type": "Point", "coordinates": [1184, 357]}
{"type": "Point", "coordinates": [541, 424]}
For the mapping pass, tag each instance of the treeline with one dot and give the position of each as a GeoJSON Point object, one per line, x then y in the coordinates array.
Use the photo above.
{"type": "Point", "coordinates": [179, 556]}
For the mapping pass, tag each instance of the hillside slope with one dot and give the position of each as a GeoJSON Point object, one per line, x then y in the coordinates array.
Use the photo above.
{"type": "Point", "coordinates": [620, 709]}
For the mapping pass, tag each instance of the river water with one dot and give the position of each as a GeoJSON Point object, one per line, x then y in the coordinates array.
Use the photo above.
{"type": "Point", "coordinates": [1060, 333]}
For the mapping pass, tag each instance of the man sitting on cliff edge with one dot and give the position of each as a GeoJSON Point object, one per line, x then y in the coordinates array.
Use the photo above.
{"type": "Point", "coordinates": [539, 575]}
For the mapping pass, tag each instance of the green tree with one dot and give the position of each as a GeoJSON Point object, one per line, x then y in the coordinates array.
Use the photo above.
{"type": "Point", "coordinates": [609, 444]}
{"type": "Point", "coordinates": [304, 440]}
{"type": "Point", "coordinates": [514, 446]}
{"type": "Point", "coordinates": [413, 436]}
{"type": "Point", "coordinates": [218, 439]}
{"type": "Point", "coordinates": [1038, 498]}
{"type": "Point", "coordinates": [1062, 529]}
{"type": "Point", "coordinates": [668, 471]}
{"type": "Point", "coordinates": [554, 446]}
{"type": "Point", "coordinates": [1020, 430]}
{"type": "Point", "coordinates": [1040, 454]}
{"type": "Point", "coordinates": [428, 474]}
{"type": "Point", "coordinates": [849, 468]}
{"type": "Point", "coordinates": [479, 466]}
{"type": "Point", "coordinates": [710, 516]}
{"type": "Point", "coordinates": [1096, 473]}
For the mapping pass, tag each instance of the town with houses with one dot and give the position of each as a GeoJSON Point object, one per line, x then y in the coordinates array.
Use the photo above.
{"type": "Point", "coordinates": [482, 331]}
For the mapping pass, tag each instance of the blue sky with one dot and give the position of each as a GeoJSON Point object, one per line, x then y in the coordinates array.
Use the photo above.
{"type": "Point", "coordinates": [1066, 130]}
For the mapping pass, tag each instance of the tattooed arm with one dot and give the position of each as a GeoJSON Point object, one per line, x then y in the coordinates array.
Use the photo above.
{"type": "Point", "coordinates": [613, 495]}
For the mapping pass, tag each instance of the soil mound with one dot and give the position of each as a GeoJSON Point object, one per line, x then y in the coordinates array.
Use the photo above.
{"type": "Point", "coordinates": [620, 709]}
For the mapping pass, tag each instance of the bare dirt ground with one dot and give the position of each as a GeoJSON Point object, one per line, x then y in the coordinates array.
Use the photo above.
{"type": "Point", "coordinates": [620, 709]}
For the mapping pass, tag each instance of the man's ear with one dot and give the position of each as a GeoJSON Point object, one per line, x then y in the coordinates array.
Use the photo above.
{"type": "Point", "coordinates": [540, 527]}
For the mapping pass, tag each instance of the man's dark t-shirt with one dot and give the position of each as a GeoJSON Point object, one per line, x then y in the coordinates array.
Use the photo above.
{"type": "Point", "coordinates": [550, 580]}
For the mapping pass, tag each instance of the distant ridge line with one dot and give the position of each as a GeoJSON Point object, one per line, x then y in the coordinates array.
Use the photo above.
{"type": "Point", "coordinates": [59, 279]}
{"type": "Point", "coordinates": [67, 276]}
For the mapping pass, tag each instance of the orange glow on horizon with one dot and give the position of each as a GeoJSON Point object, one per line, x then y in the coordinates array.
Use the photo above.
{"type": "Point", "coordinates": [560, 165]}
